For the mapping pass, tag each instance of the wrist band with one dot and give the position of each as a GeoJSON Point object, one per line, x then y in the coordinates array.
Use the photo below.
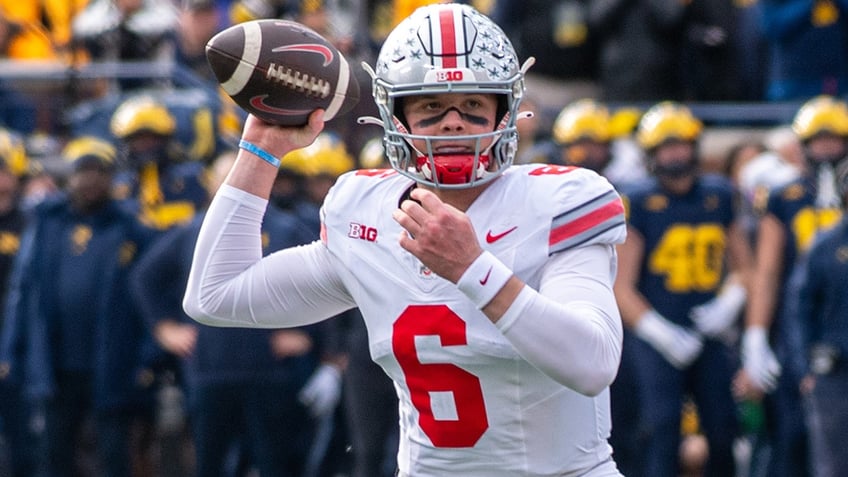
{"type": "Point", "coordinates": [483, 279]}
{"type": "Point", "coordinates": [259, 152]}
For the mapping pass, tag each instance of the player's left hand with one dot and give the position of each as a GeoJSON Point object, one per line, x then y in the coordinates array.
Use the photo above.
{"type": "Point", "coordinates": [438, 234]}
{"type": "Point", "coordinates": [322, 391]}
{"type": "Point", "coordinates": [717, 315]}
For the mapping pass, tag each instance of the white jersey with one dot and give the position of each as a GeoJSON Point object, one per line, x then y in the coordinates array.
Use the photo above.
{"type": "Point", "coordinates": [527, 396]}
{"type": "Point", "coordinates": [469, 404]}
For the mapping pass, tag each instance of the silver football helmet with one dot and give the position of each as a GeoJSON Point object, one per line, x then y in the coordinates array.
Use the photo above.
{"type": "Point", "coordinates": [448, 48]}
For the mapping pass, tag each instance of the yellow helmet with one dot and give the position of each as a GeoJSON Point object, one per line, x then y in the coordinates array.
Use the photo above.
{"type": "Point", "coordinates": [13, 152]}
{"type": "Point", "coordinates": [623, 121]}
{"type": "Point", "coordinates": [90, 150]}
{"type": "Point", "coordinates": [140, 114]}
{"type": "Point", "coordinates": [583, 119]}
{"type": "Point", "coordinates": [327, 155]}
{"type": "Point", "coordinates": [667, 120]}
{"type": "Point", "coordinates": [821, 114]}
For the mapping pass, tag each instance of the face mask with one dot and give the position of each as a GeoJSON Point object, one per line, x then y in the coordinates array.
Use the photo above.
{"type": "Point", "coordinates": [155, 155]}
{"type": "Point", "coordinates": [676, 170]}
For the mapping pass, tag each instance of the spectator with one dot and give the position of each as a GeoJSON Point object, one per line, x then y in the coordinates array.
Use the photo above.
{"type": "Point", "coordinates": [563, 43]}
{"type": "Point", "coordinates": [823, 315]}
{"type": "Point", "coordinates": [680, 287]}
{"type": "Point", "coordinates": [799, 67]}
{"type": "Point", "coordinates": [126, 31]}
{"type": "Point", "coordinates": [710, 28]}
{"type": "Point", "coordinates": [37, 30]}
{"type": "Point", "coordinates": [791, 218]}
{"type": "Point", "coordinates": [198, 22]}
{"type": "Point", "coordinates": [84, 345]}
{"type": "Point", "coordinates": [639, 48]}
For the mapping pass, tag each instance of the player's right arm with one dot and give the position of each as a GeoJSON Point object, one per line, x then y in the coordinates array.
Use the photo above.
{"type": "Point", "coordinates": [230, 284]}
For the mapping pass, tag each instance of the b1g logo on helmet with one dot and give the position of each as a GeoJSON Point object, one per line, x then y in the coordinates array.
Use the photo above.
{"type": "Point", "coordinates": [449, 75]}
{"type": "Point", "coordinates": [363, 232]}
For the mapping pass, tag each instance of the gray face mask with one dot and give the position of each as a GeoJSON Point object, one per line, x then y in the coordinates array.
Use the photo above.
{"type": "Point", "coordinates": [675, 170]}
{"type": "Point", "coordinates": [826, 195]}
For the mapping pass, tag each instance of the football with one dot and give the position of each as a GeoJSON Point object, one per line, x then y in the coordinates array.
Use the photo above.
{"type": "Point", "coordinates": [281, 71]}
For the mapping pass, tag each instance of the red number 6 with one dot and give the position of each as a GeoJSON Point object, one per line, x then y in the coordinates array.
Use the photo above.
{"type": "Point", "coordinates": [423, 379]}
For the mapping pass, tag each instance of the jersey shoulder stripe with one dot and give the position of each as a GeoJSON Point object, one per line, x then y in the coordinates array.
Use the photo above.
{"type": "Point", "coordinates": [593, 218]}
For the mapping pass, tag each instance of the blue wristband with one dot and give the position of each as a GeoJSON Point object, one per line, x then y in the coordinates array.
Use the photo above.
{"type": "Point", "coordinates": [259, 152]}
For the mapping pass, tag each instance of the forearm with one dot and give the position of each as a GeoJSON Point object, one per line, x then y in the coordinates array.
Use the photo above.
{"type": "Point", "coordinates": [570, 329]}
{"type": "Point", "coordinates": [255, 175]}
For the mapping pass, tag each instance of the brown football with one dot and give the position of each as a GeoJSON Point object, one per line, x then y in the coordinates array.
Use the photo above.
{"type": "Point", "coordinates": [281, 71]}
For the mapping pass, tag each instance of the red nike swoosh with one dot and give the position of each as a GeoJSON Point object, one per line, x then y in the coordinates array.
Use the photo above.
{"type": "Point", "coordinates": [259, 103]}
{"type": "Point", "coordinates": [494, 238]}
{"type": "Point", "coordinates": [310, 48]}
{"type": "Point", "coordinates": [486, 278]}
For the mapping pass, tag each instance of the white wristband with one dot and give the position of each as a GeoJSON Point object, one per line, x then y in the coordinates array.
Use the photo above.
{"type": "Point", "coordinates": [483, 279]}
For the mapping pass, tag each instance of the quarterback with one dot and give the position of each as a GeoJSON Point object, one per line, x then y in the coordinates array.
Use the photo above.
{"type": "Point", "coordinates": [486, 287]}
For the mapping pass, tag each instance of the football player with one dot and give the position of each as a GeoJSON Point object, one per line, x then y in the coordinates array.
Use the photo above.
{"type": "Point", "coordinates": [791, 218]}
{"type": "Point", "coordinates": [160, 184]}
{"type": "Point", "coordinates": [677, 293]}
{"type": "Point", "coordinates": [486, 288]}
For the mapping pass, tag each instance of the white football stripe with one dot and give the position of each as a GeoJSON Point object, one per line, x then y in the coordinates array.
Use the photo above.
{"type": "Point", "coordinates": [341, 89]}
{"type": "Point", "coordinates": [250, 57]}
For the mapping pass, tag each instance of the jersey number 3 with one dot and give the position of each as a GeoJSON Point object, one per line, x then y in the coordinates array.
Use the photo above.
{"type": "Point", "coordinates": [425, 379]}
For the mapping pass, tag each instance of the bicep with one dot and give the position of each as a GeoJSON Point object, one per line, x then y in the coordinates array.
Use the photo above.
{"type": "Point", "coordinates": [293, 287]}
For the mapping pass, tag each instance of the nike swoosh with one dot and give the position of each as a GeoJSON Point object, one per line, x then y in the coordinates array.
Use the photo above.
{"type": "Point", "coordinates": [259, 103]}
{"type": "Point", "coordinates": [485, 279]}
{"type": "Point", "coordinates": [309, 48]}
{"type": "Point", "coordinates": [490, 238]}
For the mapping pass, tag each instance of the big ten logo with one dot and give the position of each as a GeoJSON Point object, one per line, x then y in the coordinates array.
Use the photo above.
{"type": "Point", "coordinates": [449, 75]}
{"type": "Point", "coordinates": [363, 232]}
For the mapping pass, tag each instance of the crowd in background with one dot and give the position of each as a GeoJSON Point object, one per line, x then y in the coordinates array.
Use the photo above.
{"type": "Point", "coordinates": [736, 330]}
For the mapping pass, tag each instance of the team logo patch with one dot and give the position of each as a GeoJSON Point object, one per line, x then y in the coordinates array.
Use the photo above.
{"type": "Point", "coordinates": [362, 232]}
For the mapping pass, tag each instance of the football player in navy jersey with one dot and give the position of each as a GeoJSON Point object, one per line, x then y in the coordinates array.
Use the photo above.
{"type": "Point", "coordinates": [792, 217]}
{"type": "Point", "coordinates": [822, 277]}
{"type": "Point", "coordinates": [679, 289]}
{"type": "Point", "coordinates": [159, 184]}
{"type": "Point", "coordinates": [486, 288]}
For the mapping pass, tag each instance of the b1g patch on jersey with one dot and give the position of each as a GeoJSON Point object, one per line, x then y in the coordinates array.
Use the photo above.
{"type": "Point", "coordinates": [362, 232]}
{"type": "Point", "coordinates": [585, 222]}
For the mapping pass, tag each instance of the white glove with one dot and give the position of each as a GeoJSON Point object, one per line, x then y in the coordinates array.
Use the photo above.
{"type": "Point", "coordinates": [322, 391]}
{"type": "Point", "coordinates": [758, 359]}
{"type": "Point", "coordinates": [717, 315]}
{"type": "Point", "coordinates": [678, 345]}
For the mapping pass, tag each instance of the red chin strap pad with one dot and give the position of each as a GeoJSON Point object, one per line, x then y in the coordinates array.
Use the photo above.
{"type": "Point", "coordinates": [452, 169]}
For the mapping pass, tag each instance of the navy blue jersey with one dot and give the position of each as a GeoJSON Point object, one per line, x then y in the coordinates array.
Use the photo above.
{"type": "Point", "coordinates": [222, 354]}
{"type": "Point", "coordinates": [822, 301]}
{"type": "Point", "coordinates": [69, 289]}
{"type": "Point", "coordinates": [170, 196]}
{"type": "Point", "coordinates": [685, 242]}
{"type": "Point", "coordinates": [794, 206]}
